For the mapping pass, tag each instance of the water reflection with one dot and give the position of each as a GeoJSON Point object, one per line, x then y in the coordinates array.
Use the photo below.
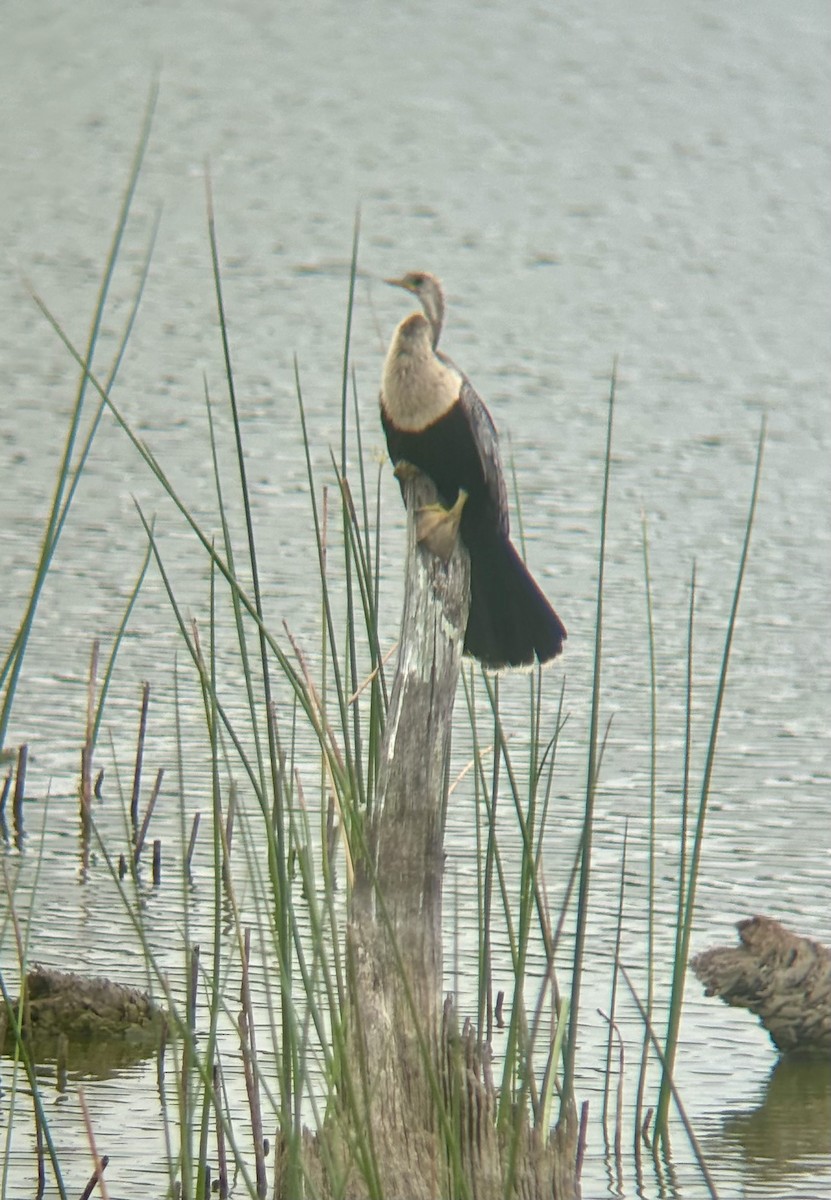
{"type": "Point", "coordinates": [667, 1185]}
{"type": "Point", "coordinates": [787, 1135]}
{"type": "Point", "coordinates": [656, 1176]}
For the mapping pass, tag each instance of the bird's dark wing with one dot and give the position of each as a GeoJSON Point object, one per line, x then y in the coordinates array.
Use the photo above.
{"type": "Point", "coordinates": [487, 444]}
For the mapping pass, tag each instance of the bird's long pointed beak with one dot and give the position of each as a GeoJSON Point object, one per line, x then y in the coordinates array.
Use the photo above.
{"type": "Point", "coordinates": [402, 283]}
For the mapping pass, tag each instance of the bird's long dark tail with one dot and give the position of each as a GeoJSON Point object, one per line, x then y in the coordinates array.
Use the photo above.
{"type": "Point", "coordinates": [511, 624]}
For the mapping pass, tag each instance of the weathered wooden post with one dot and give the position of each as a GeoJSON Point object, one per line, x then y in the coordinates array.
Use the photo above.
{"type": "Point", "coordinates": [395, 938]}
{"type": "Point", "coordinates": [421, 1081]}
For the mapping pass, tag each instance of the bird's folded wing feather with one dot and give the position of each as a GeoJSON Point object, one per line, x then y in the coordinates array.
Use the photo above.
{"type": "Point", "coordinates": [487, 440]}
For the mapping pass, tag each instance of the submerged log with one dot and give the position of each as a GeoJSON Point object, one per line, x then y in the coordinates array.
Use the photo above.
{"type": "Point", "coordinates": [783, 978]}
{"type": "Point", "coordinates": [425, 1087]}
{"type": "Point", "coordinates": [102, 1024]}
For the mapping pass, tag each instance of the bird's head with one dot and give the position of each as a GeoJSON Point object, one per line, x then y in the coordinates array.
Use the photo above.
{"type": "Point", "coordinates": [428, 290]}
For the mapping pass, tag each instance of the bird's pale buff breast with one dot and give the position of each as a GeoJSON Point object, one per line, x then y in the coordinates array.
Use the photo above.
{"type": "Point", "coordinates": [417, 387]}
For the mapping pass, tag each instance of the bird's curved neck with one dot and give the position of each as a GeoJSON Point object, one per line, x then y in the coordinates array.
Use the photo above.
{"type": "Point", "coordinates": [433, 304]}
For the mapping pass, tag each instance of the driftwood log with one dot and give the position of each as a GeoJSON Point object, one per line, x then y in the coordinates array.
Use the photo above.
{"type": "Point", "coordinates": [101, 1024]}
{"type": "Point", "coordinates": [425, 1085]}
{"type": "Point", "coordinates": [783, 978]}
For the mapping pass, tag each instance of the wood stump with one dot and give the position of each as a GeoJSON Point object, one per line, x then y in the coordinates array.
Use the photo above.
{"type": "Point", "coordinates": [783, 978]}
{"type": "Point", "coordinates": [101, 1025]}
{"type": "Point", "coordinates": [425, 1085]}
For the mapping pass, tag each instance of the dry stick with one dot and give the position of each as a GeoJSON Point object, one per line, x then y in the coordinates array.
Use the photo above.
{"type": "Point", "coordinates": [688, 1129]}
{"type": "Point", "coordinates": [581, 1138]}
{"type": "Point", "coordinates": [249, 1062]}
{"type": "Point", "coordinates": [145, 701]}
{"type": "Point", "coordinates": [157, 862]}
{"type": "Point", "coordinates": [86, 749]}
{"type": "Point", "coordinates": [326, 727]}
{"type": "Point", "coordinates": [100, 1163]}
{"type": "Point", "coordinates": [500, 1020]}
{"type": "Point", "coordinates": [192, 843]}
{"type": "Point", "coordinates": [19, 788]}
{"type": "Point", "coordinates": [472, 763]}
{"type": "Point", "coordinates": [361, 688]}
{"type": "Point", "coordinates": [229, 835]}
{"type": "Point", "coordinates": [645, 1127]}
{"type": "Point", "coordinates": [151, 804]}
{"type": "Point", "coordinates": [96, 1175]}
{"type": "Point", "coordinates": [222, 1158]}
{"type": "Point", "coordinates": [4, 795]}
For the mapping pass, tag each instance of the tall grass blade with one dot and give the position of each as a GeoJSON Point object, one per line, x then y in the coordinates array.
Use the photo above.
{"type": "Point", "coordinates": [348, 573]}
{"type": "Point", "coordinates": [653, 752]}
{"type": "Point", "coordinates": [279, 860]}
{"type": "Point", "coordinates": [591, 777]}
{"type": "Point", "coordinates": [615, 966]}
{"type": "Point", "coordinates": [682, 955]}
{"type": "Point", "coordinates": [13, 664]}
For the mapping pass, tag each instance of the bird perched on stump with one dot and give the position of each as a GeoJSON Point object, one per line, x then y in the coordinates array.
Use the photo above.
{"type": "Point", "coordinates": [435, 421]}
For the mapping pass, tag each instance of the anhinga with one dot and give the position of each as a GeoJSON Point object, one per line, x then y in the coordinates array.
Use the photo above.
{"type": "Point", "coordinates": [434, 420]}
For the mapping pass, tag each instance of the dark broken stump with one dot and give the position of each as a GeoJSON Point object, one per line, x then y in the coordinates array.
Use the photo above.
{"type": "Point", "coordinates": [783, 978]}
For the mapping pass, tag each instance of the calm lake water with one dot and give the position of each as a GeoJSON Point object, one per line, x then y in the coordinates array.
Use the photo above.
{"type": "Point", "coordinates": [643, 182]}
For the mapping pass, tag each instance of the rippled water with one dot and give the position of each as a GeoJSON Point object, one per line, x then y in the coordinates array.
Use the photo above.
{"type": "Point", "coordinates": [646, 182]}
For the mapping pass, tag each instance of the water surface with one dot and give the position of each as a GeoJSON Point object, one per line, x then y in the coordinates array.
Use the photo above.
{"type": "Point", "coordinates": [645, 183]}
